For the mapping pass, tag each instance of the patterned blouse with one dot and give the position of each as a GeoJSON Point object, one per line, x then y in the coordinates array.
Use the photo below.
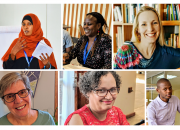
{"type": "Point", "coordinates": [102, 54]}
{"type": "Point", "coordinates": [114, 117]}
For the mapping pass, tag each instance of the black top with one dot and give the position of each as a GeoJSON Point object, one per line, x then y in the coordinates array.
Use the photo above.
{"type": "Point", "coordinates": [102, 54]}
{"type": "Point", "coordinates": [21, 63]}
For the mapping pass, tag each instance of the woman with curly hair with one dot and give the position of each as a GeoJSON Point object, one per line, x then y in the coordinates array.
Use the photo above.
{"type": "Point", "coordinates": [101, 89]}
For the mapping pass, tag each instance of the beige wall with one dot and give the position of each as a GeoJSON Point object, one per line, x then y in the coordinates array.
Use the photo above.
{"type": "Point", "coordinates": [125, 101]}
{"type": "Point", "coordinates": [44, 96]}
{"type": "Point", "coordinates": [177, 119]}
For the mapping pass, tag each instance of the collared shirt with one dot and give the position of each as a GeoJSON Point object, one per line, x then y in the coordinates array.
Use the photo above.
{"type": "Point", "coordinates": [163, 113]}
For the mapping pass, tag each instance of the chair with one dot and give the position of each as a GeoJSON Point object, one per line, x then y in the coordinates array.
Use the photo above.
{"type": "Point", "coordinates": [7, 35]}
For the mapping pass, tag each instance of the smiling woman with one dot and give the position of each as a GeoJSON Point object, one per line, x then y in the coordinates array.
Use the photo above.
{"type": "Point", "coordinates": [15, 92]}
{"type": "Point", "coordinates": [101, 89]}
{"type": "Point", "coordinates": [147, 49]}
{"type": "Point", "coordinates": [19, 54]}
{"type": "Point", "coordinates": [93, 49]}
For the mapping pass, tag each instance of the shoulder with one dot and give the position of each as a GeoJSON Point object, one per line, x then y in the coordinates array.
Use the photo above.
{"type": "Point", "coordinates": [106, 38]}
{"type": "Point", "coordinates": [117, 109]}
{"type": "Point", "coordinates": [169, 50]}
{"type": "Point", "coordinates": [152, 105]}
{"type": "Point", "coordinates": [174, 98]}
{"type": "Point", "coordinates": [45, 118]}
{"type": "Point", "coordinates": [75, 120]}
{"type": "Point", "coordinates": [4, 120]}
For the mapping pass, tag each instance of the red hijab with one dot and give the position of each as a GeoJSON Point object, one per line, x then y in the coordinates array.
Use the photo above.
{"type": "Point", "coordinates": [36, 36]}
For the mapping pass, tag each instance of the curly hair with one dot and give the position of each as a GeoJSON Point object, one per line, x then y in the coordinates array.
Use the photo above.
{"type": "Point", "coordinates": [91, 80]}
{"type": "Point", "coordinates": [99, 19]}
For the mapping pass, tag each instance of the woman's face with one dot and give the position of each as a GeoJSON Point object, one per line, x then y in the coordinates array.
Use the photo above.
{"type": "Point", "coordinates": [27, 27]}
{"type": "Point", "coordinates": [90, 26]}
{"type": "Point", "coordinates": [20, 107]}
{"type": "Point", "coordinates": [149, 27]}
{"type": "Point", "coordinates": [103, 104]}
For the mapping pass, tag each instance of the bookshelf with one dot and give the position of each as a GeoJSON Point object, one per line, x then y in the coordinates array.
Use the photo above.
{"type": "Point", "coordinates": [127, 27]}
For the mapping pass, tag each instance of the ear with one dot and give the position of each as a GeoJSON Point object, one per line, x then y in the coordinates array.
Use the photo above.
{"type": "Point", "coordinates": [99, 25]}
{"type": "Point", "coordinates": [157, 90]}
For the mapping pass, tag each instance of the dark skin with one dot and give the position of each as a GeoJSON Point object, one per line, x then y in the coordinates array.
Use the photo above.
{"type": "Point", "coordinates": [91, 28]}
{"type": "Point", "coordinates": [21, 43]}
{"type": "Point", "coordinates": [165, 90]}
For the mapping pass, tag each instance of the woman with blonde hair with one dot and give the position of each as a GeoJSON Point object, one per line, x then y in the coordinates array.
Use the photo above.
{"type": "Point", "coordinates": [147, 49]}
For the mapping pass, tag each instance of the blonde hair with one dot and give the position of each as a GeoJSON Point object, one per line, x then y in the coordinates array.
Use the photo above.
{"type": "Point", "coordinates": [136, 37]}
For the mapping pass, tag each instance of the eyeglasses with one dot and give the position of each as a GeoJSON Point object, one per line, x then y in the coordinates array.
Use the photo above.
{"type": "Point", "coordinates": [12, 96]}
{"type": "Point", "coordinates": [103, 92]}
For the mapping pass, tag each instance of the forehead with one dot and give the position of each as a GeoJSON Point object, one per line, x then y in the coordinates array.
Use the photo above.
{"type": "Point", "coordinates": [164, 84]}
{"type": "Point", "coordinates": [15, 87]}
{"type": "Point", "coordinates": [90, 18]}
{"type": "Point", "coordinates": [26, 21]}
{"type": "Point", "coordinates": [107, 81]}
{"type": "Point", "coordinates": [147, 16]}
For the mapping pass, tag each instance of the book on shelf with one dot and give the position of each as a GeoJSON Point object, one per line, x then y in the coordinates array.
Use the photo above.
{"type": "Point", "coordinates": [117, 13]}
{"type": "Point", "coordinates": [173, 41]}
{"type": "Point", "coordinates": [171, 12]}
{"type": "Point", "coordinates": [119, 40]}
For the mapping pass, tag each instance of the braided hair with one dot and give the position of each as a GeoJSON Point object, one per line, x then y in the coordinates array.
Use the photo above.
{"type": "Point", "coordinates": [100, 19]}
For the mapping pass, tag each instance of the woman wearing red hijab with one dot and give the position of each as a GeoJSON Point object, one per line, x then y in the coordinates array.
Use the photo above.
{"type": "Point", "coordinates": [19, 54]}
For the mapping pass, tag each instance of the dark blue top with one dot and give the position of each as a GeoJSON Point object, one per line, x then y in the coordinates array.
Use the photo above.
{"type": "Point", "coordinates": [163, 58]}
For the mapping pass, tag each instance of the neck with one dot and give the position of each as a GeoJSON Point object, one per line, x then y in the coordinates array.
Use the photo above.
{"type": "Point", "coordinates": [146, 49]}
{"type": "Point", "coordinates": [91, 39]}
{"type": "Point", "coordinates": [99, 115]}
{"type": "Point", "coordinates": [165, 100]}
{"type": "Point", "coordinates": [26, 120]}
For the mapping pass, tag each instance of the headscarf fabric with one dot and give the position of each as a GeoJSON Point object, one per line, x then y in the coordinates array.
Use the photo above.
{"type": "Point", "coordinates": [32, 40]}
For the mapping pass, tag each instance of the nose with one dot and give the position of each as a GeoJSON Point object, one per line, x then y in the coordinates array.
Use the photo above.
{"type": "Point", "coordinates": [108, 95]}
{"type": "Point", "coordinates": [18, 99]}
{"type": "Point", "coordinates": [150, 27]}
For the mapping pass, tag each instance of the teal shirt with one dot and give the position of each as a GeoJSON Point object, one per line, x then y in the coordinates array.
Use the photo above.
{"type": "Point", "coordinates": [44, 118]}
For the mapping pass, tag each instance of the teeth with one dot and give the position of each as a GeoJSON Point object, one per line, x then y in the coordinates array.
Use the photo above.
{"type": "Point", "coordinates": [20, 107]}
{"type": "Point", "coordinates": [86, 31]}
{"type": "Point", "coordinates": [151, 34]}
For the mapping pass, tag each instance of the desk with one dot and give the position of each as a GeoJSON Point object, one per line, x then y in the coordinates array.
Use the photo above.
{"type": "Point", "coordinates": [65, 27]}
{"type": "Point", "coordinates": [70, 66]}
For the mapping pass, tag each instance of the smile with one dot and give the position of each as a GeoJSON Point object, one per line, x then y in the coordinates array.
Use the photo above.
{"type": "Point", "coordinates": [107, 102]}
{"type": "Point", "coordinates": [150, 34]}
{"type": "Point", "coordinates": [26, 31]}
{"type": "Point", "coordinates": [19, 108]}
{"type": "Point", "coordinates": [86, 31]}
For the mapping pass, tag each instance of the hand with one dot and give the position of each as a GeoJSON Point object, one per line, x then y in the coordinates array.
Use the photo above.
{"type": "Point", "coordinates": [65, 57]}
{"type": "Point", "coordinates": [19, 46]}
{"type": "Point", "coordinates": [45, 61]}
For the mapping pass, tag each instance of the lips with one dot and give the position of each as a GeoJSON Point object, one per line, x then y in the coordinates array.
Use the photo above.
{"type": "Point", "coordinates": [86, 31]}
{"type": "Point", "coordinates": [107, 102]}
{"type": "Point", "coordinates": [26, 31]}
{"type": "Point", "coordinates": [21, 107]}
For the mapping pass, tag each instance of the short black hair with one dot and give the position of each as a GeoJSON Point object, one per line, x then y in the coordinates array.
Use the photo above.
{"type": "Point", "coordinates": [162, 80]}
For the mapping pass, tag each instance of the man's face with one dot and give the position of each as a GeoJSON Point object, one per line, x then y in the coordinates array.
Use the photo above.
{"type": "Point", "coordinates": [165, 91]}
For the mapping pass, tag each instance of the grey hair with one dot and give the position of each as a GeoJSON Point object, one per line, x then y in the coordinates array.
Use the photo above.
{"type": "Point", "coordinates": [10, 78]}
{"type": "Point", "coordinates": [91, 80]}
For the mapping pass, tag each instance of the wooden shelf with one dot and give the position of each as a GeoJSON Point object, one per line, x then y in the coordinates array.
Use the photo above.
{"type": "Point", "coordinates": [117, 23]}
{"type": "Point", "coordinates": [170, 23]}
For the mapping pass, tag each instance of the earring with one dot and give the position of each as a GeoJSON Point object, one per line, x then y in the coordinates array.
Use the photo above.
{"type": "Point", "coordinates": [98, 32]}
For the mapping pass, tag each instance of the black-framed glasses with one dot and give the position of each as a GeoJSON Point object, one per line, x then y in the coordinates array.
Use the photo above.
{"type": "Point", "coordinates": [103, 92]}
{"type": "Point", "coordinates": [12, 96]}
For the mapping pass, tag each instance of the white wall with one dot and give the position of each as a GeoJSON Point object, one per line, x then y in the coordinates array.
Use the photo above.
{"type": "Point", "coordinates": [44, 96]}
{"type": "Point", "coordinates": [125, 101]}
{"type": "Point", "coordinates": [49, 15]}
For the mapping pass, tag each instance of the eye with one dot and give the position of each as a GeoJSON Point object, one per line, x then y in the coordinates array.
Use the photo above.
{"type": "Point", "coordinates": [165, 89]}
{"type": "Point", "coordinates": [113, 90]}
{"type": "Point", "coordinates": [155, 22]}
{"type": "Point", "coordinates": [9, 96]}
{"type": "Point", "coordinates": [29, 23]}
{"type": "Point", "coordinates": [23, 24]}
{"type": "Point", "coordinates": [143, 24]}
{"type": "Point", "coordinates": [101, 90]}
{"type": "Point", "coordinates": [89, 24]}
